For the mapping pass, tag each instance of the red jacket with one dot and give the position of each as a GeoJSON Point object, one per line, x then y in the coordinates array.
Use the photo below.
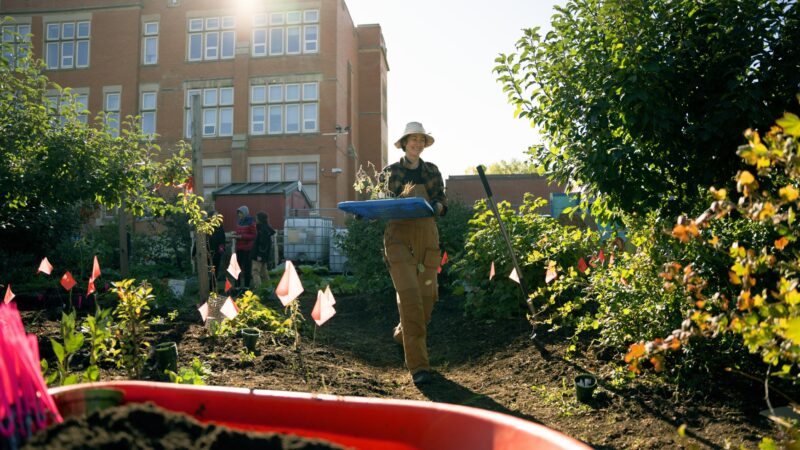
{"type": "Point", "coordinates": [246, 229]}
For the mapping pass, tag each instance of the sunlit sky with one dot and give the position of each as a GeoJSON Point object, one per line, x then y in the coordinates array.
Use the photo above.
{"type": "Point", "coordinates": [441, 55]}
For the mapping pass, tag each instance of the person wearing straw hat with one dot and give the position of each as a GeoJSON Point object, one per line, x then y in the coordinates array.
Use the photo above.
{"type": "Point", "coordinates": [411, 247]}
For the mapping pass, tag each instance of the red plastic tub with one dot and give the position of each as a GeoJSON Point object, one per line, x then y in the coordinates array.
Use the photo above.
{"type": "Point", "coordinates": [362, 423]}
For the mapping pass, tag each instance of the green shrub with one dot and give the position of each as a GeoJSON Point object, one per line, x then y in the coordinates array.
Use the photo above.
{"type": "Point", "coordinates": [537, 240]}
{"type": "Point", "coordinates": [132, 319]}
{"type": "Point", "coordinates": [454, 228]}
{"type": "Point", "coordinates": [757, 299]}
{"type": "Point", "coordinates": [254, 314]}
{"type": "Point", "coordinates": [363, 246]}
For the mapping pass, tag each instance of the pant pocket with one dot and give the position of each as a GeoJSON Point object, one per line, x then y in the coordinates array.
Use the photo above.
{"type": "Point", "coordinates": [432, 258]}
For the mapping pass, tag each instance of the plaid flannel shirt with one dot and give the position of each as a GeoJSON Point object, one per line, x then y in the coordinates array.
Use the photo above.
{"type": "Point", "coordinates": [395, 178]}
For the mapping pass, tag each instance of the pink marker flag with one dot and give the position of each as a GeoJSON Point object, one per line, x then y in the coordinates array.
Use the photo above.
{"type": "Point", "coordinates": [551, 272]}
{"type": "Point", "coordinates": [611, 260]}
{"type": "Point", "coordinates": [67, 281]}
{"type": "Point", "coordinates": [582, 266]}
{"type": "Point", "coordinates": [233, 267]}
{"type": "Point", "coordinates": [9, 295]}
{"type": "Point", "coordinates": [491, 271]}
{"type": "Point", "coordinates": [203, 311]}
{"type": "Point", "coordinates": [444, 261]}
{"type": "Point", "coordinates": [229, 309]}
{"type": "Point", "coordinates": [514, 275]}
{"type": "Point", "coordinates": [329, 293]}
{"type": "Point", "coordinates": [45, 266]}
{"type": "Point", "coordinates": [323, 309]}
{"type": "Point", "coordinates": [290, 287]}
{"type": "Point", "coordinates": [90, 288]}
{"type": "Point", "coordinates": [95, 269]}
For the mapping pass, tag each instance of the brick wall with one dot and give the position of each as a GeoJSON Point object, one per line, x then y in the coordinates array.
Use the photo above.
{"type": "Point", "coordinates": [511, 188]}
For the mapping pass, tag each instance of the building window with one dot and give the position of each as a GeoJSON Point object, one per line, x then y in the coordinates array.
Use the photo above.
{"type": "Point", "coordinates": [211, 38]}
{"type": "Point", "coordinates": [111, 106]}
{"type": "Point", "coordinates": [215, 177]}
{"type": "Point", "coordinates": [291, 172]}
{"type": "Point", "coordinates": [150, 43]}
{"type": "Point", "coordinates": [16, 42]}
{"type": "Point", "coordinates": [289, 108]}
{"type": "Point", "coordinates": [148, 113]}
{"type": "Point", "coordinates": [273, 173]}
{"type": "Point", "coordinates": [276, 173]}
{"type": "Point", "coordinates": [257, 174]}
{"type": "Point", "coordinates": [59, 102]}
{"type": "Point", "coordinates": [311, 192]}
{"type": "Point", "coordinates": [309, 173]}
{"type": "Point", "coordinates": [217, 111]}
{"type": "Point", "coordinates": [289, 33]}
{"type": "Point", "coordinates": [67, 44]}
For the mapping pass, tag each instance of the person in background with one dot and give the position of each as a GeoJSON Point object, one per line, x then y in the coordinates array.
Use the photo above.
{"type": "Point", "coordinates": [216, 246]}
{"type": "Point", "coordinates": [262, 249]}
{"type": "Point", "coordinates": [412, 248]}
{"type": "Point", "coordinates": [245, 235]}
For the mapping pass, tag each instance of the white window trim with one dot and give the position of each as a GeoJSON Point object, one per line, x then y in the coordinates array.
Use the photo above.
{"type": "Point", "coordinates": [301, 102]}
{"type": "Point", "coordinates": [58, 43]}
{"type": "Point", "coordinates": [262, 123]}
{"type": "Point", "coordinates": [150, 36]}
{"type": "Point", "coordinates": [207, 48]}
{"type": "Point", "coordinates": [254, 52]}
{"type": "Point", "coordinates": [283, 41]}
{"type": "Point", "coordinates": [154, 111]}
{"type": "Point", "coordinates": [206, 106]}
{"type": "Point", "coordinates": [308, 11]}
{"type": "Point", "coordinates": [222, 44]}
{"type": "Point", "coordinates": [299, 40]}
{"type": "Point", "coordinates": [189, 47]}
{"type": "Point", "coordinates": [306, 42]}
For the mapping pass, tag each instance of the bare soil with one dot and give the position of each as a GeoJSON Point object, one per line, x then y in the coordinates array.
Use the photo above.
{"type": "Point", "coordinates": [495, 366]}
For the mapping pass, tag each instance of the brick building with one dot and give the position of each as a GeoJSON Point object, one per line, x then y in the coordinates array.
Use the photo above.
{"type": "Point", "coordinates": [290, 89]}
{"type": "Point", "coordinates": [510, 188]}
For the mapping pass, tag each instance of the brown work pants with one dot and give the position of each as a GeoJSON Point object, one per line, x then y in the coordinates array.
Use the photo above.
{"type": "Point", "coordinates": [412, 251]}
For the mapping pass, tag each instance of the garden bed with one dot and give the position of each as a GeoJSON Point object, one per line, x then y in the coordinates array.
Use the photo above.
{"type": "Point", "coordinates": [495, 366]}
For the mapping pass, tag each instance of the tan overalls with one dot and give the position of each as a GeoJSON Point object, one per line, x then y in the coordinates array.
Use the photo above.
{"type": "Point", "coordinates": [412, 252]}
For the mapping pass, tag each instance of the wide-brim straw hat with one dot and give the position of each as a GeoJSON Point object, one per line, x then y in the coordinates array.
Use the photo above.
{"type": "Point", "coordinates": [415, 128]}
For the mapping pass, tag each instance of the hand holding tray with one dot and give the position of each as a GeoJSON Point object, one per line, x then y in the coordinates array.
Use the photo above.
{"type": "Point", "coordinates": [390, 208]}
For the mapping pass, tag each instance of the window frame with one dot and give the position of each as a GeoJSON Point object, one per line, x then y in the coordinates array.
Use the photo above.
{"type": "Point", "coordinates": [67, 44]}
{"type": "Point", "coordinates": [253, 179]}
{"type": "Point", "coordinates": [147, 37]}
{"type": "Point", "coordinates": [113, 113]}
{"type": "Point", "coordinates": [145, 111]}
{"type": "Point", "coordinates": [211, 103]}
{"type": "Point", "coordinates": [287, 108]}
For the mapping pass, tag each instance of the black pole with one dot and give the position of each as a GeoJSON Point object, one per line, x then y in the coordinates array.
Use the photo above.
{"type": "Point", "coordinates": [522, 285]}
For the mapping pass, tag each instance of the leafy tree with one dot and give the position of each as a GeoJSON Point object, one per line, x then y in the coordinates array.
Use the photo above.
{"type": "Point", "coordinates": [504, 167]}
{"type": "Point", "coordinates": [635, 97]}
{"type": "Point", "coordinates": [53, 166]}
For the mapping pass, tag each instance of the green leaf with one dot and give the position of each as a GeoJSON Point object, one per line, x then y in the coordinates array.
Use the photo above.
{"type": "Point", "coordinates": [92, 373]}
{"type": "Point", "coordinates": [790, 124]}
{"type": "Point", "coordinates": [767, 444]}
{"type": "Point", "coordinates": [58, 349]}
{"type": "Point", "coordinates": [793, 330]}
{"type": "Point", "coordinates": [74, 342]}
{"type": "Point", "coordinates": [71, 379]}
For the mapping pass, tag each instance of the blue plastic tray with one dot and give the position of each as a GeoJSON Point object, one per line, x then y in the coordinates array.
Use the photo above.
{"type": "Point", "coordinates": [391, 208]}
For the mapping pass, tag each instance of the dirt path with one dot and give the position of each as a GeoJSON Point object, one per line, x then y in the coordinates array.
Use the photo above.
{"type": "Point", "coordinates": [493, 366]}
